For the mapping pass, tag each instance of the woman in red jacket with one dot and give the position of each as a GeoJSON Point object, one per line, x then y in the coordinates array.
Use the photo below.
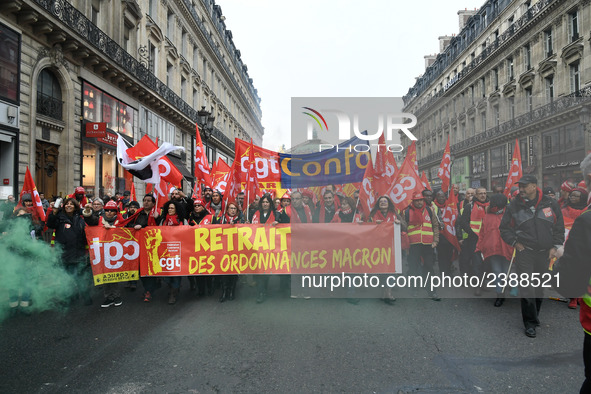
{"type": "Point", "coordinates": [490, 244]}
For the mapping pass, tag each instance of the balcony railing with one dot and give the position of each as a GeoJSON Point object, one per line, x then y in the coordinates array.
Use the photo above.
{"type": "Point", "coordinates": [49, 106]}
{"type": "Point", "coordinates": [71, 17]}
{"type": "Point", "coordinates": [555, 107]}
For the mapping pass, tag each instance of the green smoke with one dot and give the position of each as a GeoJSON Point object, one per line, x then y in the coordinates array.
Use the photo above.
{"type": "Point", "coordinates": [29, 266]}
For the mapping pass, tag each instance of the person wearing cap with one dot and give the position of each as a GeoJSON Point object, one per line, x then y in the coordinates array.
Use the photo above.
{"type": "Point", "coordinates": [565, 190]}
{"type": "Point", "coordinates": [80, 196]}
{"type": "Point", "coordinates": [471, 222]}
{"type": "Point", "coordinates": [533, 225]}
{"type": "Point", "coordinates": [548, 191]}
{"type": "Point", "coordinates": [423, 235]}
{"type": "Point", "coordinates": [201, 282]}
{"type": "Point", "coordinates": [131, 209]}
{"type": "Point", "coordinates": [575, 272]}
{"type": "Point", "coordinates": [285, 208]}
{"type": "Point", "coordinates": [122, 203]}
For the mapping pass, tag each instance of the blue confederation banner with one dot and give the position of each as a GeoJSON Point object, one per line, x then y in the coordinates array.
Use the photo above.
{"type": "Point", "coordinates": [340, 164]}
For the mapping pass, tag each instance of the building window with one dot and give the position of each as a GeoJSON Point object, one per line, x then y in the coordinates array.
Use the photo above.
{"type": "Point", "coordinates": [496, 114]}
{"type": "Point", "coordinates": [95, 9]}
{"type": "Point", "coordinates": [483, 121]}
{"type": "Point", "coordinates": [548, 42]}
{"type": "Point", "coordinates": [483, 87]}
{"type": "Point", "coordinates": [170, 25]}
{"type": "Point", "coordinates": [10, 71]}
{"type": "Point", "coordinates": [49, 95]}
{"type": "Point", "coordinates": [195, 58]}
{"type": "Point", "coordinates": [529, 104]}
{"type": "Point", "coordinates": [549, 88]}
{"type": "Point", "coordinates": [511, 107]}
{"type": "Point", "coordinates": [152, 7]}
{"type": "Point", "coordinates": [573, 25]}
{"type": "Point", "coordinates": [527, 56]}
{"type": "Point", "coordinates": [183, 88]}
{"type": "Point", "coordinates": [153, 61]}
{"type": "Point", "coordinates": [575, 77]}
{"type": "Point", "coordinates": [495, 75]}
{"type": "Point", "coordinates": [169, 75]}
{"type": "Point", "coordinates": [510, 74]}
{"type": "Point", "coordinates": [195, 98]}
{"type": "Point", "coordinates": [184, 43]}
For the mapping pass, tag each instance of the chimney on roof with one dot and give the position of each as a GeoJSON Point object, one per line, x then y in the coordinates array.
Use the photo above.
{"type": "Point", "coordinates": [464, 15]}
{"type": "Point", "coordinates": [444, 43]}
{"type": "Point", "coordinates": [429, 59]}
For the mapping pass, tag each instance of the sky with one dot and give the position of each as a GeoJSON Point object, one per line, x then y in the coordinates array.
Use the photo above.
{"type": "Point", "coordinates": [334, 48]}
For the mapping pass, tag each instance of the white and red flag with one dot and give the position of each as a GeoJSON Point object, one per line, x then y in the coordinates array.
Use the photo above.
{"type": "Point", "coordinates": [202, 170]}
{"type": "Point", "coordinates": [30, 188]}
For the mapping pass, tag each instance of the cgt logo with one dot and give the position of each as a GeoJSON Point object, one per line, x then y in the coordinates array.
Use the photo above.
{"type": "Point", "coordinates": [387, 122]}
{"type": "Point", "coordinates": [113, 254]}
{"type": "Point", "coordinates": [170, 261]}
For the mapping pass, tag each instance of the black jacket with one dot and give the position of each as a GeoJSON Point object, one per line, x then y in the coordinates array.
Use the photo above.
{"type": "Point", "coordinates": [70, 233]}
{"type": "Point", "coordinates": [539, 226]}
{"type": "Point", "coordinates": [575, 263]}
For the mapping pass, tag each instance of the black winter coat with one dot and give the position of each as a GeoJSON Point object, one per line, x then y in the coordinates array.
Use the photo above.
{"type": "Point", "coordinates": [538, 227]}
{"type": "Point", "coordinates": [70, 234]}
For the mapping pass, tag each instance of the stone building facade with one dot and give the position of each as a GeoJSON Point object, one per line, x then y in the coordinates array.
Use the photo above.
{"type": "Point", "coordinates": [137, 66]}
{"type": "Point", "coordinates": [517, 70]}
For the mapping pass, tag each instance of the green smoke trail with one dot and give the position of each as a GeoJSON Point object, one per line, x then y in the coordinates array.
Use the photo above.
{"type": "Point", "coordinates": [31, 266]}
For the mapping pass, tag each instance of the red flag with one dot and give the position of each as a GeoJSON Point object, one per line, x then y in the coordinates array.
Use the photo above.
{"type": "Point", "coordinates": [202, 170]}
{"type": "Point", "coordinates": [385, 168]}
{"type": "Point", "coordinates": [515, 172]}
{"type": "Point", "coordinates": [266, 162]}
{"type": "Point", "coordinates": [233, 186]}
{"type": "Point", "coordinates": [405, 185]}
{"type": "Point", "coordinates": [30, 188]}
{"type": "Point", "coordinates": [168, 171]}
{"type": "Point", "coordinates": [444, 172]}
{"type": "Point", "coordinates": [133, 196]}
{"type": "Point", "coordinates": [425, 181]}
{"type": "Point", "coordinates": [196, 190]}
{"type": "Point", "coordinates": [220, 176]}
{"type": "Point", "coordinates": [367, 193]}
{"type": "Point", "coordinates": [449, 216]}
{"type": "Point", "coordinates": [412, 155]}
{"type": "Point", "coordinates": [252, 180]}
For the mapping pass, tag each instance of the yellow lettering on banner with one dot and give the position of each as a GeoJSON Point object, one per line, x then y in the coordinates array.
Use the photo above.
{"type": "Point", "coordinates": [215, 239]}
{"type": "Point", "coordinates": [234, 265]}
{"type": "Point", "coordinates": [272, 238]}
{"type": "Point", "coordinates": [244, 234]}
{"type": "Point", "coordinates": [260, 239]}
{"type": "Point", "coordinates": [348, 155]}
{"type": "Point", "coordinates": [337, 257]}
{"type": "Point", "coordinates": [355, 259]}
{"type": "Point", "coordinates": [286, 170]}
{"type": "Point", "coordinates": [225, 263]}
{"type": "Point", "coordinates": [375, 256]}
{"type": "Point", "coordinates": [273, 261]}
{"type": "Point", "coordinates": [366, 257]}
{"type": "Point", "coordinates": [387, 255]}
{"type": "Point", "coordinates": [323, 258]}
{"type": "Point", "coordinates": [250, 265]}
{"type": "Point", "coordinates": [193, 265]}
{"type": "Point", "coordinates": [358, 160]}
{"type": "Point", "coordinates": [337, 166]}
{"type": "Point", "coordinates": [347, 258]}
{"type": "Point", "coordinates": [206, 265]}
{"type": "Point", "coordinates": [305, 264]}
{"type": "Point", "coordinates": [285, 261]}
{"type": "Point", "coordinates": [315, 164]}
{"type": "Point", "coordinates": [283, 231]}
{"type": "Point", "coordinates": [229, 233]}
{"type": "Point", "coordinates": [201, 235]}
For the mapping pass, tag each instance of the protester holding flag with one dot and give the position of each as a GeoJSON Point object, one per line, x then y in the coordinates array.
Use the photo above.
{"type": "Point", "coordinates": [492, 246]}
{"type": "Point", "coordinates": [70, 235]}
{"type": "Point", "coordinates": [36, 221]}
{"type": "Point", "coordinates": [423, 234]}
{"type": "Point", "coordinates": [471, 223]}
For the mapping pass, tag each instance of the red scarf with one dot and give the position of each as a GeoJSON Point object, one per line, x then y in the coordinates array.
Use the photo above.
{"type": "Point", "coordinates": [415, 216]}
{"type": "Point", "coordinates": [440, 206]}
{"type": "Point", "coordinates": [571, 212]}
{"type": "Point", "coordinates": [171, 220]}
{"type": "Point", "coordinates": [478, 211]}
{"type": "Point", "coordinates": [230, 219]}
{"type": "Point", "coordinates": [380, 216]}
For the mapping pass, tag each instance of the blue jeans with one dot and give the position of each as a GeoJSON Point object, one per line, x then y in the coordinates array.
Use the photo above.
{"type": "Point", "coordinates": [499, 265]}
{"type": "Point", "coordinates": [173, 281]}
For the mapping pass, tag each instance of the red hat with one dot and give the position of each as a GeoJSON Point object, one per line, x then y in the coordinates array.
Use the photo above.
{"type": "Point", "coordinates": [111, 205]}
{"type": "Point", "coordinates": [418, 196]}
{"type": "Point", "coordinates": [582, 185]}
{"type": "Point", "coordinates": [286, 195]}
{"type": "Point", "coordinates": [199, 202]}
{"type": "Point", "coordinates": [566, 187]}
{"type": "Point", "coordinates": [79, 190]}
{"type": "Point", "coordinates": [308, 193]}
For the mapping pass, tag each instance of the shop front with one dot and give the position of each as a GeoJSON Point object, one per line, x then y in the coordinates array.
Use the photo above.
{"type": "Point", "coordinates": [460, 172]}
{"type": "Point", "coordinates": [563, 151]}
{"type": "Point", "coordinates": [104, 116]}
{"type": "Point", "coordinates": [479, 172]}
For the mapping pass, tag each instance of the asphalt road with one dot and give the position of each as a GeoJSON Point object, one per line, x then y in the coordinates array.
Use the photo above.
{"type": "Point", "coordinates": [286, 345]}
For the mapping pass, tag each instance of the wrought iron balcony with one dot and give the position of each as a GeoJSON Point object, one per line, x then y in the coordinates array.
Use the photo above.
{"type": "Point", "coordinates": [49, 106]}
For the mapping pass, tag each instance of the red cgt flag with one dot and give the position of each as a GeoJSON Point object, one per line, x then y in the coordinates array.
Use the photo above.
{"type": "Point", "coordinates": [406, 184]}
{"type": "Point", "coordinates": [425, 181]}
{"type": "Point", "coordinates": [202, 170]}
{"type": "Point", "coordinates": [385, 168]}
{"type": "Point", "coordinates": [367, 192]}
{"type": "Point", "coordinates": [449, 216]}
{"type": "Point", "coordinates": [133, 196]}
{"type": "Point", "coordinates": [30, 188]}
{"type": "Point", "coordinates": [444, 172]}
{"type": "Point", "coordinates": [515, 173]}
{"type": "Point", "coordinates": [252, 180]}
{"type": "Point", "coordinates": [168, 171]}
{"type": "Point", "coordinates": [411, 153]}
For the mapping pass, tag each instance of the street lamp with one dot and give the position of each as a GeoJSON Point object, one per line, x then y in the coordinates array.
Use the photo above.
{"type": "Point", "coordinates": [584, 117]}
{"type": "Point", "coordinates": [206, 120]}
